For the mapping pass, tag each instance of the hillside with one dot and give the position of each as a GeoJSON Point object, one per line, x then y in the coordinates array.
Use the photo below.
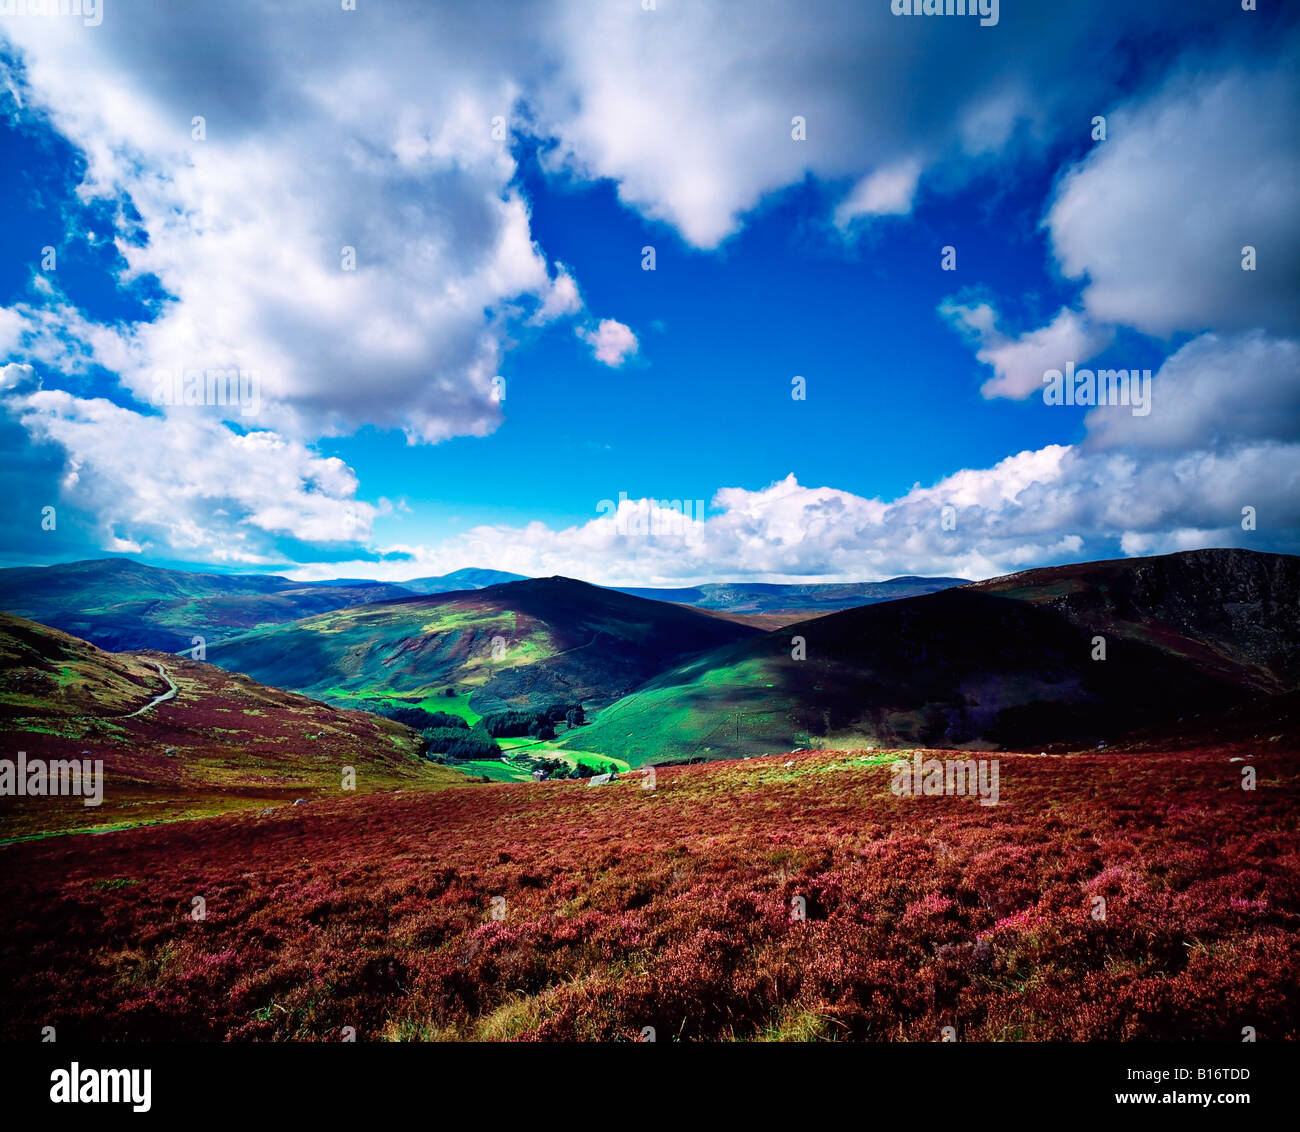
{"type": "Point", "coordinates": [221, 742]}
{"type": "Point", "coordinates": [1003, 663]}
{"type": "Point", "coordinates": [622, 907]}
{"type": "Point", "coordinates": [470, 578]}
{"type": "Point", "coordinates": [118, 604]}
{"type": "Point", "coordinates": [519, 644]}
{"type": "Point", "coordinates": [769, 603]}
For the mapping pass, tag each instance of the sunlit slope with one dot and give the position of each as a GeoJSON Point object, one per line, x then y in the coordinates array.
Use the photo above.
{"type": "Point", "coordinates": [218, 742]}
{"type": "Point", "coordinates": [520, 644]}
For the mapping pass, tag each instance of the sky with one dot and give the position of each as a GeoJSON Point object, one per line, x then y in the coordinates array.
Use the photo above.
{"type": "Point", "coordinates": [514, 285]}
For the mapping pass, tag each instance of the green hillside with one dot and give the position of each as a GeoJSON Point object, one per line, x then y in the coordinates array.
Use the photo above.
{"type": "Point", "coordinates": [1004, 663]}
{"type": "Point", "coordinates": [179, 739]}
{"type": "Point", "coordinates": [521, 644]}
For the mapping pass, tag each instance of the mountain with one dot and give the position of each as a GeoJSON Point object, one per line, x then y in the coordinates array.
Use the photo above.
{"type": "Point", "coordinates": [772, 604]}
{"type": "Point", "coordinates": [221, 742]}
{"type": "Point", "coordinates": [519, 644]}
{"type": "Point", "coordinates": [118, 604]}
{"type": "Point", "coordinates": [1002, 663]}
{"type": "Point", "coordinates": [470, 578]}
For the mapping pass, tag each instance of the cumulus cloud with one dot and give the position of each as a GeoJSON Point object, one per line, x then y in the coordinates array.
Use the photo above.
{"type": "Point", "coordinates": [562, 298]}
{"type": "Point", "coordinates": [350, 227]}
{"type": "Point", "coordinates": [186, 483]}
{"type": "Point", "coordinates": [1020, 362]}
{"type": "Point", "coordinates": [1221, 436]}
{"type": "Point", "coordinates": [1153, 221]}
{"type": "Point", "coordinates": [1057, 503]}
{"type": "Point", "coordinates": [611, 342]}
{"type": "Point", "coordinates": [690, 108]}
{"type": "Point", "coordinates": [1215, 392]}
{"type": "Point", "coordinates": [363, 260]}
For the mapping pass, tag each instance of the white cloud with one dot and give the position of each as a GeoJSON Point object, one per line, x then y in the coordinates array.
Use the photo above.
{"type": "Point", "coordinates": [689, 107]}
{"type": "Point", "coordinates": [1215, 392]}
{"type": "Point", "coordinates": [611, 342]}
{"type": "Point", "coordinates": [1053, 504]}
{"type": "Point", "coordinates": [312, 146]}
{"type": "Point", "coordinates": [305, 156]}
{"type": "Point", "coordinates": [1020, 362]}
{"type": "Point", "coordinates": [1221, 436]}
{"type": "Point", "coordinates": [189, 485]}
{"type": "Point", "coordinates": [562, 298]}
{"type": "Point", "coordinates": [1154, 220]}
{"type": "Point", "coordinates": [884, 192]}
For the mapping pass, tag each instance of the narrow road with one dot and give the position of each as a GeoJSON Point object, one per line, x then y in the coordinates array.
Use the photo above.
{"type": "Point", "coordinates": [167, 695]}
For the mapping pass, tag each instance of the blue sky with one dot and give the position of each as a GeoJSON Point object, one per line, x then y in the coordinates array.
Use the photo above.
{"type": "Point", "coordinates": [378, 448]}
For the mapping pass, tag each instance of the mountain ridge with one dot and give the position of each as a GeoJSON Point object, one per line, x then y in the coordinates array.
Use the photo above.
{"type": "Point", "coordinates": [511, 645]}
{"type": "Point", "coordinates": [1001, 663]}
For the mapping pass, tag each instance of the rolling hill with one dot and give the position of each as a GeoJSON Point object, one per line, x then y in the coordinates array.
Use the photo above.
{"type": "Point", "coordinates": [471, 578]}
{"type": "Point", "coordinates": [773, 604]}
{"type": "Point", "coordinates": [520, 644]}
{"type": "Point", "coordinates": [1002, 663]}
{"type": "Point", "coordinates": [221, 742]}
{"type": "Point", "coordinates": [118, 604]}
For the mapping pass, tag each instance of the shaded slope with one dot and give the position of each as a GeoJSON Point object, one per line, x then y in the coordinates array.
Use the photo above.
{"type": "Point", "coordinates": [1004, 663]}
{"type": "Point", "coordinates": [515, 645]}
{"type": "Point", "coordinates": [223, 742]}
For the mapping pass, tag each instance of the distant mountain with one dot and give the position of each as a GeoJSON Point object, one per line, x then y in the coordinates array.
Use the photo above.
{"type": "Point", "coordinates": [352, 582]}
{"type": "Point", "coordinates": [1006, 662]}
{"type": "Point", "coordinates": [221, 742]}
{"type": "Point", "coordinates": [789, 602]}
{"type": "Point", "coordinates": [527, 643]}
{"type": "Point", "coordinates": [470, 578]}
{"type": "Point", "coordinates": [118, 604]}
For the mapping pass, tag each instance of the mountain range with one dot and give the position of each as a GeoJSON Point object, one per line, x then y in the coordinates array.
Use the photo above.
{"type": "Point", "coordinates": [1063, 657]}
{"type": "Point", "coordinates": [119, 604]}
{"type": "Point", "coordinates": [773, 604]}
{"type": "Point", "coordinates": [1074, 655]}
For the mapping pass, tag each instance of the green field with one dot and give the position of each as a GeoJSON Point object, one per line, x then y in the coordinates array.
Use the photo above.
{"type": "Point", "coordinates": [372, 699]}
{"type": "Point", "coordinates": [522, 752]}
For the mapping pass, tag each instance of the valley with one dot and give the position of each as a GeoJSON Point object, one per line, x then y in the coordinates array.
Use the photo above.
{"type": "Point", "coordinates": [680, 824]}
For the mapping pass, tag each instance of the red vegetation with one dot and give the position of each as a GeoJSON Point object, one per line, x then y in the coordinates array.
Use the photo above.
{"type": "Point", "coordinates": [628, 908]}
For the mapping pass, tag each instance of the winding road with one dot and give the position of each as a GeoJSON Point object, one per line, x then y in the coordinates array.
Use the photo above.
{"type": "Point", "coordinates": [167, 695]}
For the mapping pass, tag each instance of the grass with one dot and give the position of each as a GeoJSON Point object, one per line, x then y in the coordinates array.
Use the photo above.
{"type": "Point", "coordinates": [625, 908]}
{"type": "Point", "coordinates": [375, 697]}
